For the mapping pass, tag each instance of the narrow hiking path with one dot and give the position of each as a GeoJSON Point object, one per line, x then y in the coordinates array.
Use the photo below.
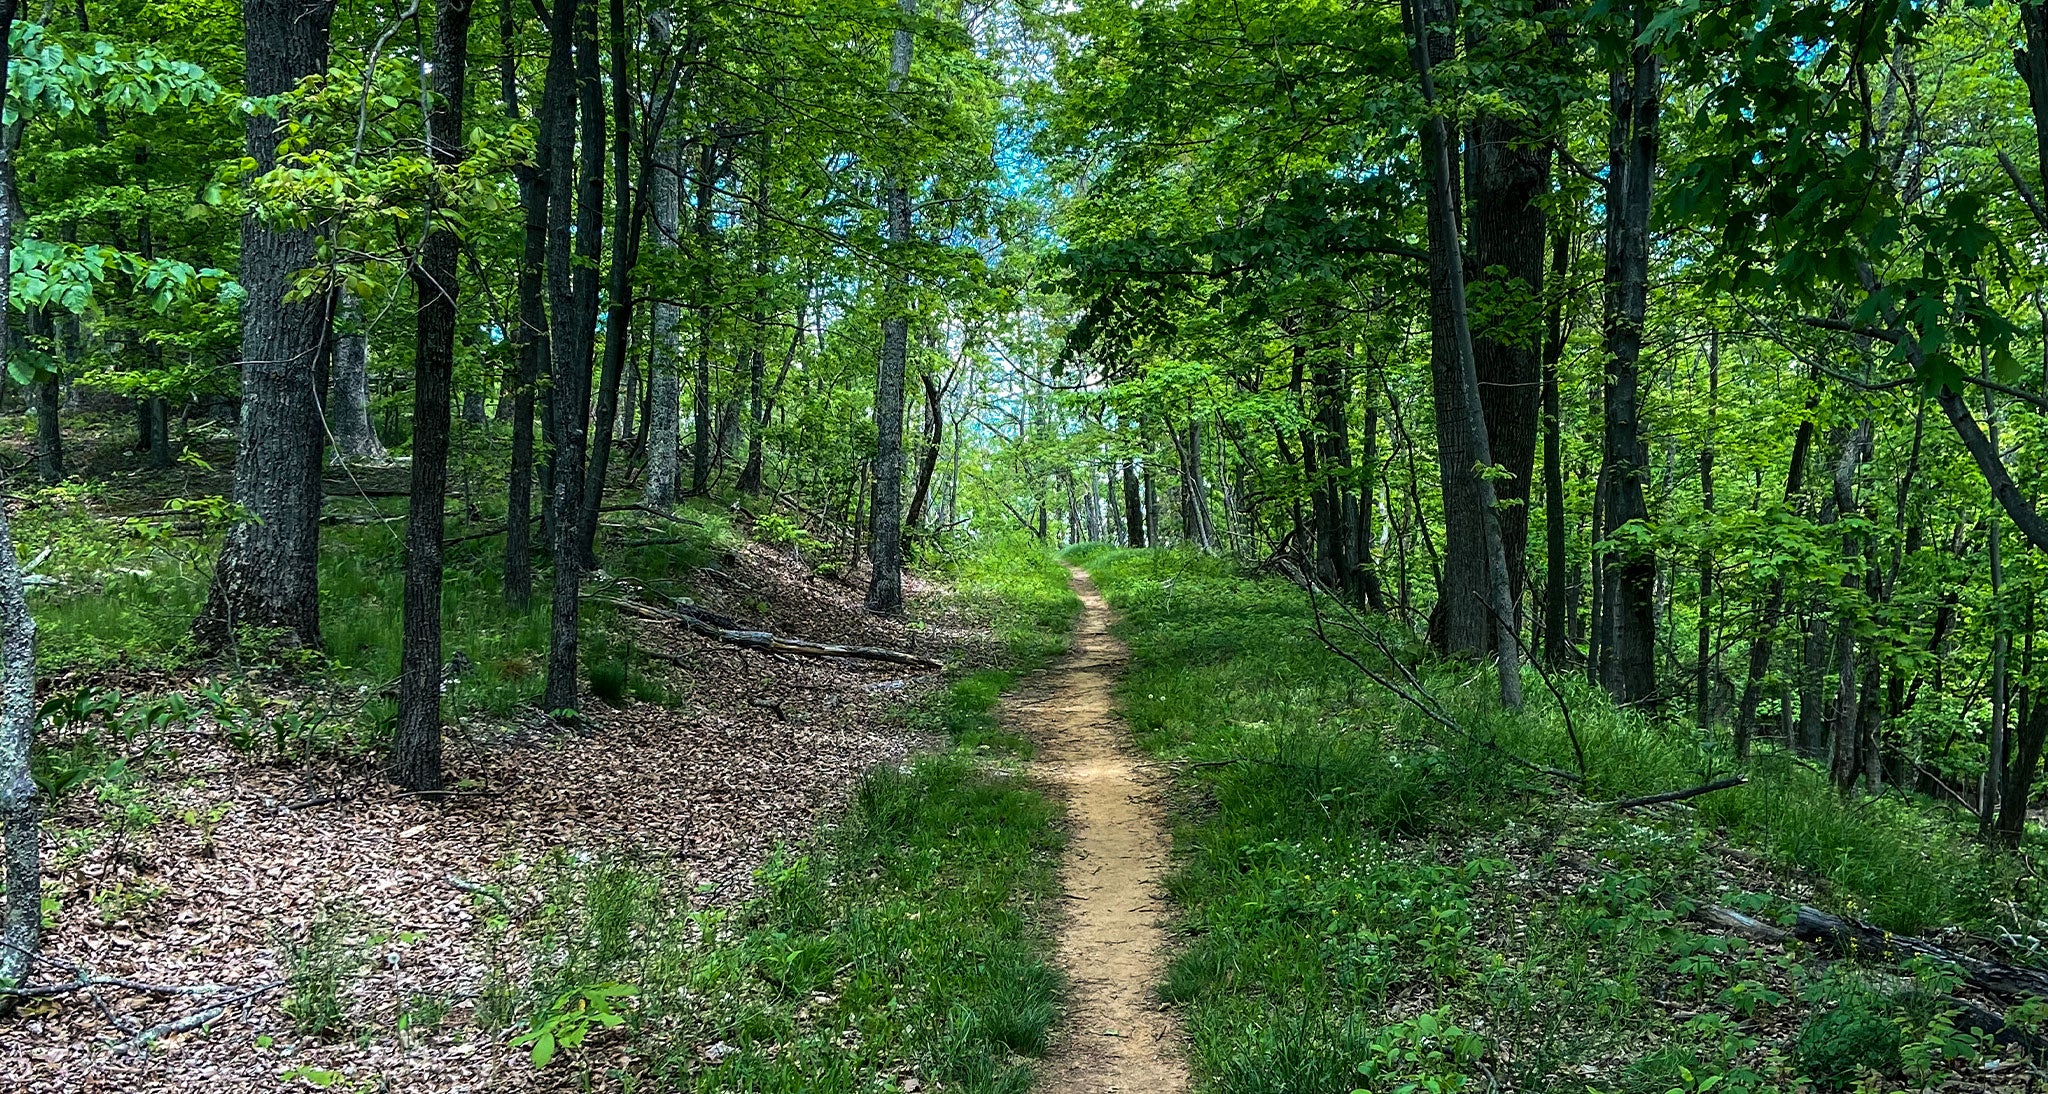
{"type": "Point", "coordinates": [1112, 945]}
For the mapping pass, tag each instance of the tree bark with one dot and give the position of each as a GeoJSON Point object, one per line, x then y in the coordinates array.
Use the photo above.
{"type": "Point", "coordinates": [618, 325]}
{"type": "Point", "coordinates": [1510, 172]}
{"type": "Point", "coordinates": [1559, 571]}
{"type": "Point", "coordinates": [885, 586]}
{"type": "Point", "coordinates": [664, 402]}
{"type": "Point", "coordinates": [530, 348]}
{"type": "Point", "coordinates": [928, 450]}
{"type": "Point", "coordinates": [1703, 704]}
{"type": "Point", "coordinates": [1134, 505]}
{"type": "Point", "coordinates": [700, 441]}
{"type": "Point", "coordinates": [574, 243]}
{"type": "Point", "coordinates": [348, 401]}
{"type": "Point", "coordinates": [268, 572]}
{"type": "Point", "coordinates": [1629, 667]}
{"type": "Point", "coordinates": [757, 349]}
{"type": "Point", "coordinates": [21, 918]}
{"type": "Point", "coordinates": [436, 276]}
{"type": "Point", "coordinates": [159, 410]}
{"type": "Point", "coordinates": [1447, 256]}
{"type": "Point", "coordinates": [44, 395]}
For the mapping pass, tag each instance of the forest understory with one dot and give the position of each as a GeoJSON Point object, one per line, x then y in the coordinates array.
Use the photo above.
{"type": "Point", "coordinates": [540, 546]}
{"type": "Point", "coordinates": [236, 896]}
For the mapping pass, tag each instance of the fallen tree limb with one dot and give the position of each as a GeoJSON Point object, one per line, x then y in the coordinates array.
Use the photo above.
{"type": "Point", "coordinates": [698, 622]}
{"type": "Point", "coordinates": [88, 982]}
{"type": "Point", "coordinates": [141, 1041]}
{"type": "Point", "coordinates": [1680, 795]}
{"type": "Point", "coordinates": [1850, 939]}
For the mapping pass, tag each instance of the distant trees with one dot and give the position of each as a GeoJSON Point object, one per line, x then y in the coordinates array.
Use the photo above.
{"type": "Point", "coordinates": [1717, 335]}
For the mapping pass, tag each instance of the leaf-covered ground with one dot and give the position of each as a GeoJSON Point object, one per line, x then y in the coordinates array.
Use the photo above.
{"type": "Point", "coordinates": [215, 863]}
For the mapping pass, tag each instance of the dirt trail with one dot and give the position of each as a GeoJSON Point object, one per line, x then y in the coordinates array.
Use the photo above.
{"type": "Point", "coordinates": [1116, 1038]}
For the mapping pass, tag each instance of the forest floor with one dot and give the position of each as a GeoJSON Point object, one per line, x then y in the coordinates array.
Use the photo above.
{"type": "Point", "coordinates": [1361, 899]}
{"type": "Point", "coordinates": [224, 869]}
{"type": "Point", "coordinates": [1115, 1036]}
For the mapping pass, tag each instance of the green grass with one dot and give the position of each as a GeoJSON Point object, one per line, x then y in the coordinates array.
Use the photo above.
{"type": "Point", "coordinates": [1370, 900]}
{"type": "Point", "coordinates": [905, 942]}
{"type": "Point", "coordinates": [131, 588]}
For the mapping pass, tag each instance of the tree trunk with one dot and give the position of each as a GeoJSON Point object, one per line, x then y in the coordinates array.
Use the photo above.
{"type": "Point", "coordinates": [1330, 440]}
{"type": "Point", "coordinates": [885, 586]}
{"type": "Point", "coordinates": [348, 400]}
{"type": "Point", "coordinates": [664, 402]}
{"type": "Point", "coordinates": [1134, 505]}
{"type": "Point", "coordinates": [1995, 749]}
{"type": "Point", "coordinates": [757, 349]}
{"type": "Point", "coordinates": [531, 351]}
{"type": "Point", "coordinates": [1629, 657]}
{"type": "Point", "coordinates": [1447, 259]}
{"type": "Point", "coordinates": [2031, 732]}
{"type": "Point", "coordinates": [21, 919]}
{"type": "Point", "coordinates": [1812, 742]}
{"type": "Point", "coordinates": [159, 411]}
{"type": "Point", "coordinates": [1559, 611]}
{"type": "Point", "coordinates": [1703, 699]}
{"type": "Point", "coordinates": [1368, 499]}
{"type": "Point", "coordinates": [416, 744]}
{"type": "Point", "coordinates": [928, 451]}
{"type": "Point", "coordinates": [1510, 172]}
{"type": "Point", "coordinates": [574, 228]}
{"type": "Point", "coordinates": [618, 324]}
{"type": "Point", "coordinates": [268, 572]}
{"type": "Point", "coordinates": [700, 441]}
{"type": "Point", "coordinates": [44, 394]}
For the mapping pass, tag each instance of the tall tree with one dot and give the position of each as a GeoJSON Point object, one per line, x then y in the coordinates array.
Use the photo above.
{"type": "Point", "coordinates": [664, 401]}
{"type": "Point", "coordinates": [1447, 262]}
{"type": "Point", "coordinates": [436, 277]}
{"type": "Point", "coordinates": [576, 185]}
{"type": "Point", "coordinates": [530, 348]}
{"type": "Point", "coordinates": [1628, 667]}
{"type": "Point", "coordinates": [885, 586]}
{"type": "Point", "coordinates": [21, 918]}
{"type": "Point", "coordinates": [268, 575]}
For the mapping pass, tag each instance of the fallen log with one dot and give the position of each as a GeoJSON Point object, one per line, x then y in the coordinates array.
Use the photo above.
{"type": "Point", "coordinates": [1681, 795]}
{"type": "Point", "coordinates": [1850, 939]}
{"type": "Point", "coordinates": [700, 623]}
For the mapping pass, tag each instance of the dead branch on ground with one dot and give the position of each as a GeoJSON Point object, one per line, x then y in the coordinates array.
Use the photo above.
{"type": "Point", "coordinates": [711, 625]}
{"type": "Point", "coordinates": [1680, 795]}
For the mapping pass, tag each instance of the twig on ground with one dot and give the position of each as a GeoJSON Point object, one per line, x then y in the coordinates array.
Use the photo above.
{"type": "Point", "coordinates": [141, 1041]}
{"type": "Point", "coordinates": [1680, 795]}
{"type": "Point", "coordinates": [87, 982]}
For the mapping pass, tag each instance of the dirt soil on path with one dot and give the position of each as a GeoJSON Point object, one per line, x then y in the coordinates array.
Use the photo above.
{"type": "Point", "coordinates": [1113, 940]}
